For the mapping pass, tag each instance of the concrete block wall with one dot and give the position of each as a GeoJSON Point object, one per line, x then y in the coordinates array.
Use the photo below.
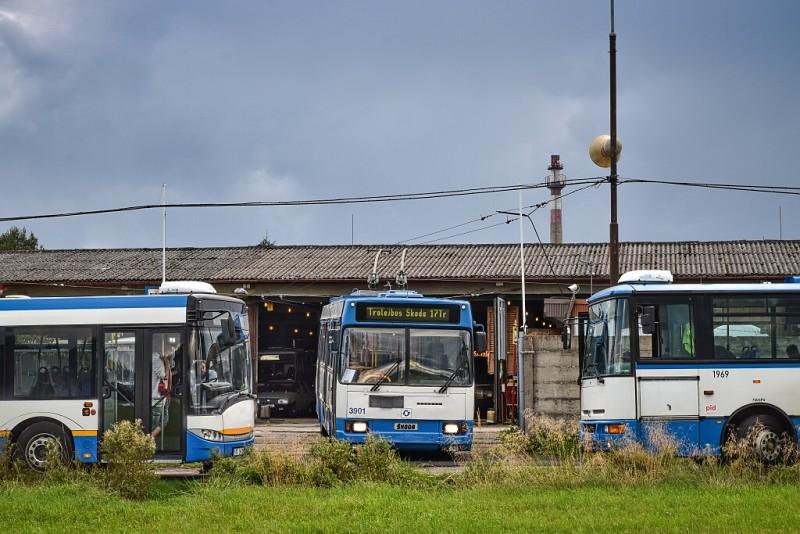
{"type": "Point", "coordinates": [550, 379]}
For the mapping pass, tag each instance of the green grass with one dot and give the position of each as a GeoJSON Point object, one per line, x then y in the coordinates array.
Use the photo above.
{"type": "Point", "coordinates": [197, 508]}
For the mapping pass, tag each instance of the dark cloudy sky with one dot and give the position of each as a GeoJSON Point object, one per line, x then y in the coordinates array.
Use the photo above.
{"type": "Point", "coordinates": [102, 102]}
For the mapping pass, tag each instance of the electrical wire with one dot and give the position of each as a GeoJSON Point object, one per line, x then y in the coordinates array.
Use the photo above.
{"type": "Point", "coordinates": [311, 202]}
{"type": "Point", "coordinates": [467, 232]}
{"type": "Point", "coordinates": [751, 188]}
{"type": "Point", "coordinates": [592, 183]}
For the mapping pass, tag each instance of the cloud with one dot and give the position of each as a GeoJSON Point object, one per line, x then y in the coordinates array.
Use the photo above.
{"type": "Point", "coordinates": [101, 103]}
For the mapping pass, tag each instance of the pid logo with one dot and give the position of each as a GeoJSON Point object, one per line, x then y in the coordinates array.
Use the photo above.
{"type": "Point", "coordinates": [711, 408]}
{"type": "Point", "coordinates": [406, 413]}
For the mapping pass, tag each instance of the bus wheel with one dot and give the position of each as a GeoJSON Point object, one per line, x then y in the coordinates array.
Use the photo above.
{"type": "Point", "coordinates": [34, 443]}
{"type": "Point", "coordinates": [763, 434]}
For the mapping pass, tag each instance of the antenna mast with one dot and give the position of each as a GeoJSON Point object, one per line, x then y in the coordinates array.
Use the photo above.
{"type": "Point", "coordinates": [164, 235]}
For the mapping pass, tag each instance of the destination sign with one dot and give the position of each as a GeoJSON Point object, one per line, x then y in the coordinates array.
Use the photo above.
{"type": "Point", "coordinates": [398, 313]}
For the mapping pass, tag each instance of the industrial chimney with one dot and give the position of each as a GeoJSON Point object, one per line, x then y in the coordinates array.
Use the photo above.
{"type": "Point", "coordinates": [555, 183]}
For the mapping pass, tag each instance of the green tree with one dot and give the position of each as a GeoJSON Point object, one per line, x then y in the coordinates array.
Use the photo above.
{"type": "Point", "coordinates": [18, 239]}
{"type": "Point", "coordinates": [266, 242]}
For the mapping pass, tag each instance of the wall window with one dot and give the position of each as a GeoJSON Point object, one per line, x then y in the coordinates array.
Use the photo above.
{"type": "Point", "coordinates": [53, 362]}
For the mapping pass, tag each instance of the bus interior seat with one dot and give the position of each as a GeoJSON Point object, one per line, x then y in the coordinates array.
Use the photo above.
{"type": "Point", "coordinates": [43, 387]}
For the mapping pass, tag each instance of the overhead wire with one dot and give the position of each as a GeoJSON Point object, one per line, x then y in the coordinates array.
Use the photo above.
{"type": "Point", "coordinates": [751, 188]}
{"type": "Point", "coordinates": [278, 203]}
{"type": "Point", "coordinates": [591, 183]}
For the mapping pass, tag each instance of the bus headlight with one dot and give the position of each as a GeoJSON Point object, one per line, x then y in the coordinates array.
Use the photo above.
{"type": "Point", "coordinates": [358, 427]}
{"type": "Point", "coordinates": [283, 401]}
{"type": "Point", "coordinates": [454, 428]}
{"type": "Point", "coordinates": [207, 434]}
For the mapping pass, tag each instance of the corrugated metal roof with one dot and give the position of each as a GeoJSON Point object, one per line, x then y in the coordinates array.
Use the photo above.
{"type": "Point", "coordinates": [686, 260]}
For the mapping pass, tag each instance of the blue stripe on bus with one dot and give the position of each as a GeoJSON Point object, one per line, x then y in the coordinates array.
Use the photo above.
{"type": "Point", "coordinates": [93, 303]}
{"type": "Point", "coordinates": [695, 437]}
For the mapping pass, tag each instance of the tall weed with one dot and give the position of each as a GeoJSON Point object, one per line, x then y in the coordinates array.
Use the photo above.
{"type": "Point", "coordinates": [129, 451]}
{"type": "Point", "coordinates": [545, 437]}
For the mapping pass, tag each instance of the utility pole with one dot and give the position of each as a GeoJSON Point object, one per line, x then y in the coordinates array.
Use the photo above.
{"type": "Point", "coordinates": [613, 241]}
{"type": "Point", "coordinates": [605, 150]}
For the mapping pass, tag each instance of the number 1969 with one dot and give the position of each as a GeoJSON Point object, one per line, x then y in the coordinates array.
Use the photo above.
{"type": "Point", "coordinates": [723, 373]}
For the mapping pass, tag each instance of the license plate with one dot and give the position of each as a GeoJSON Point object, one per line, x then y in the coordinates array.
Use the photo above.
{"type": "Point", "coordinates": [405, 426]}
{"type": "Point", "coordinates": [238, 451]}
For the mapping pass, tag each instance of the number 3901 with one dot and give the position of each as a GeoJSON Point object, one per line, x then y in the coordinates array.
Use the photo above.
{"type": "Point", "coordinates": [356, 411]}
{"type": "Point", "coordinates": [723, 373]}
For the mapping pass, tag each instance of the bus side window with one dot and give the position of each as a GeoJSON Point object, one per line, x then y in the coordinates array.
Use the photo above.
{"type": "Point", "coordinates": [672, 335]}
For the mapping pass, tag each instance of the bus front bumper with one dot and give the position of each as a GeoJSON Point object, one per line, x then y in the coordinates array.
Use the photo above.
{"type": "Point", "coordinates": [608, 434]}
{"type": "Point", "coordinates": [404, 434]}
{"type": "Point", "coordinates": [199, 449]}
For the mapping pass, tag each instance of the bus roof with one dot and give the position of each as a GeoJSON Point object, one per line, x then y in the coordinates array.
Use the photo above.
{"type": "Point", "coordinates": [94, 302]}
{"type": "Point", "coordinates": [637, 289]}
{"type": "Point", "coordinates": [397, 297]}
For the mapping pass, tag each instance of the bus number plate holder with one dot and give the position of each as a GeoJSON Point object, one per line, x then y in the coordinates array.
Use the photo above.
{"type": "Point", "coordinates": [405, 426]}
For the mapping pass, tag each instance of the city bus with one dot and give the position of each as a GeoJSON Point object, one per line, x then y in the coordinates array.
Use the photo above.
{"type": "Point", "coordinates": [399, 366]}
{"type": "Point", "coordinates": [699, 362]}
{"type": "Point", "coordinates": [71, 367]}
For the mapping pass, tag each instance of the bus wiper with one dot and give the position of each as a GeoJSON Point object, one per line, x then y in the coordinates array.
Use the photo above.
{"type": "Point", "coordinates": [385, 375]}
{"type": "Point", "coordinates": [452, 377]}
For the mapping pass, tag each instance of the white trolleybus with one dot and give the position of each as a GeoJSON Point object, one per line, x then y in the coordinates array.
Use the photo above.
{"type": "Point", "coordinates": [399, 366]}
{"type": "Point", "coordinates": [71, 367]}
{"type": "Point", "coordinates": [703, 362]}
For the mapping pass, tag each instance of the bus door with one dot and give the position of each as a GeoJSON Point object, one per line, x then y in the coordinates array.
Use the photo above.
{"type": "Point", "coordinates": [667, 375]}
{"type": "Point", "coordinates": [143, 380]}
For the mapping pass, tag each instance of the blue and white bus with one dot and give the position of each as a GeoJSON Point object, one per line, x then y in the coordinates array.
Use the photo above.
{"type": "Point", "coordinates": [399, 366]}
{"type": "Point", "coordinates": [71, 367]}
{"type": "Point", "coordinates": [702, 361]}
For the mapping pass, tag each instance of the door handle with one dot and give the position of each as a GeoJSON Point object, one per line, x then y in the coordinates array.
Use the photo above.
{"type": "Point", "coordinates": [708, 392]}
{"type": "Point", "coordinates": [106, 391]}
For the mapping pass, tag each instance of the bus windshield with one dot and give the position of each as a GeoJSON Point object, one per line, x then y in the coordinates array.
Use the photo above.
{"type": "Point", "coordinates": [608, 346]}
{"type": "Point", "coordinates": [406, 356]}
{"type": "Point", "coordinates": [221, 367]}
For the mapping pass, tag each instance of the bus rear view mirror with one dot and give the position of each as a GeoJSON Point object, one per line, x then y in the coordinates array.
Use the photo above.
{"type": "Point", "coordinates": [647, 319]}
{"type": "Point", "coordinates": [333, 343]}
{"type": "Point", "coordinates": [480, 342]}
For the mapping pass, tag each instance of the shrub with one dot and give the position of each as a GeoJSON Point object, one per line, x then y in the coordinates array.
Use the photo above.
{"type": "Point", "coordinates": [277, 469]}
{"type": "Point", "coordinates": [377, 461]}
{"type": "Point", "coordinates": [545, 437]}
{"type": "Point", "coordinates": [129, 451]}
{"type": "Point", "coordinates": [332, 460]}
